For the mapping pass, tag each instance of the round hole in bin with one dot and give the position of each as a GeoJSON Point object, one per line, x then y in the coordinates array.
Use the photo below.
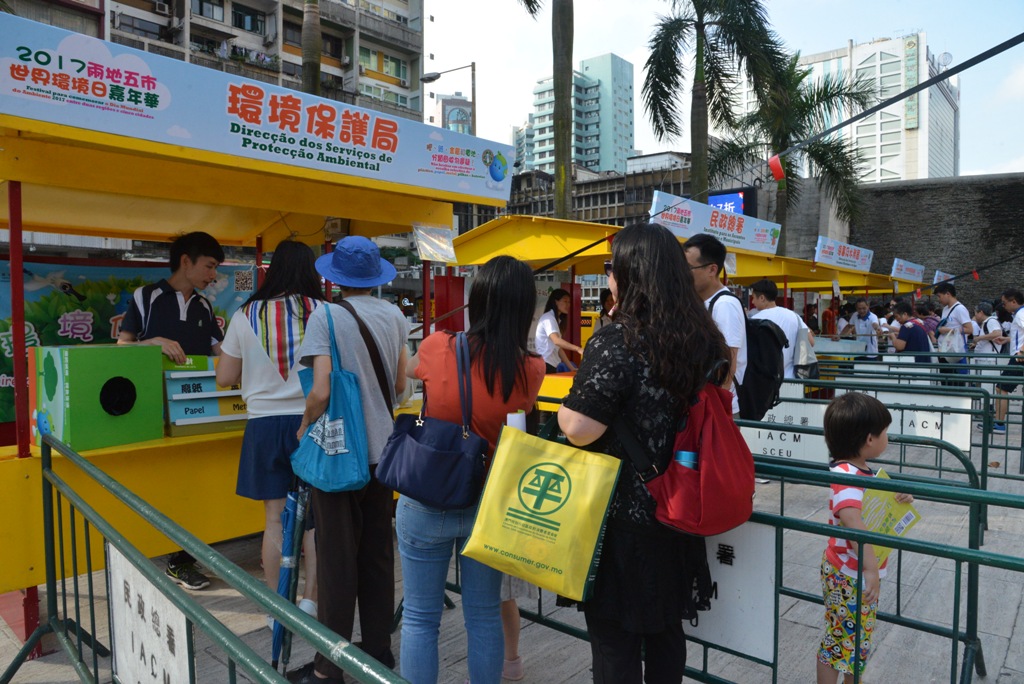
{"type": "Point", "coordinates": [117, 396]}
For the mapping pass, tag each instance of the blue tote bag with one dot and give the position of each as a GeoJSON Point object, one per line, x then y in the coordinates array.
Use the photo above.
{"type": "Point", "coordinates": [333, 454]}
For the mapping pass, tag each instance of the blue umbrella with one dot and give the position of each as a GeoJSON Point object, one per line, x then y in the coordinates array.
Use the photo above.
{"type": "Point", "coordinates": [293, 519]}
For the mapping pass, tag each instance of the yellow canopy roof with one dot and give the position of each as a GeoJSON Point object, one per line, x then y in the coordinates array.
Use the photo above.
{"type": "Point", "coordinates": [540, 240]}
{"type": "Point", "coordinates": [90, 183]}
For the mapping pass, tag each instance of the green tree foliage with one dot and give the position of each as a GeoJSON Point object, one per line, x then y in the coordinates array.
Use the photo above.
{"type": "Point", "coordinates": [797, 108]}
{"type": "Point", "coordinates": [729, 40]}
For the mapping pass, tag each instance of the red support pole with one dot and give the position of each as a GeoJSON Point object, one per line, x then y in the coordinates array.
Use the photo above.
{"type": "Point", "coordinates": [20, 353]}
{"type": "Point", "coordinates": [328, 285]}
{"type": "Point", "coordinates": [30, 604]}
{"type": "Point", "coordinates": [259, 261]}
{"type": "Point", "coordinates": [426, 299]}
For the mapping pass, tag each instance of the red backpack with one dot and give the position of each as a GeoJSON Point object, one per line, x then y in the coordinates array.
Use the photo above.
{"type": "Point", "coordinates": [708, 487]}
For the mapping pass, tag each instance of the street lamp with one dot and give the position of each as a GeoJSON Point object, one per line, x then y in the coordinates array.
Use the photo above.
{"type": "Point", "coordinates": [432, 76]}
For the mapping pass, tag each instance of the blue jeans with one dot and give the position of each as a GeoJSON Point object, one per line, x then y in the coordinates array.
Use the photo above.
{"type": "Point", "coordinates": [426, 538]}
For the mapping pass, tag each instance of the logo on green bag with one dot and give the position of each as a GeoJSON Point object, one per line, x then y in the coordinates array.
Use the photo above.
{"type": "Point", "coordinates": [544, 488]}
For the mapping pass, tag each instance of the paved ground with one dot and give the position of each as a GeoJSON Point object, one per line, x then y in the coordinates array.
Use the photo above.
{"type": "Point", "coordinates": [902, 655]}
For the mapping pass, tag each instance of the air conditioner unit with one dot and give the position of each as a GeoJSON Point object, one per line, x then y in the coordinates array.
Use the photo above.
{"type": "Point", "coordinates": [346, 60]}
{"type": "Point", "coordinates": [362, 70]}
{"type": "Point", "coordinates": [269, 40]}
{"type": "Point", "coordinates": [162, 8]}
{"type": "Point", "coordinates": [405, 84]}
{"type": "Point", "coordinates": [115, 19]}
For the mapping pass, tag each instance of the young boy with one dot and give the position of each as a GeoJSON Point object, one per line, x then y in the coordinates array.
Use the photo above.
{"type": "Point", "coordinates": [174, 316]}
{"type": "Point", "coordinates": [856, 431]}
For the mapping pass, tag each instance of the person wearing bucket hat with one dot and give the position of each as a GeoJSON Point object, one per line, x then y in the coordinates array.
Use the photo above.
{"type": "Point", "coordinates": [355, 263]}
{"type": "Point", "coordinates": [355, 558]}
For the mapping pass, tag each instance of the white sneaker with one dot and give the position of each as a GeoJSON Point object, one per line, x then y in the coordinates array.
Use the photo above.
{"type": "Point", "coordinates": [308, 607]}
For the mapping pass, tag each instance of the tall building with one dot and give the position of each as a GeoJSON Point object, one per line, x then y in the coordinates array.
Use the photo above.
{"type": "Point", "coordinates": [918, 137]}
{"type": "Point", "coordinates": [371, 55]}
{"type": "Point", "coordinates": [602, 105]}
{"type": "Point", "coordinates": [454, 112]}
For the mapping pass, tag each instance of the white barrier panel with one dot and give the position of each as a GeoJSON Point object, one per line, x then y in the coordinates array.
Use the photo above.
{"type": "Point", "coordinates": [742, 615]}
{"type": "Point", "coordinates": [785, 444]}
{"type": "Point", "coordinates": [149, 637]}
{"type": "Point", "coordinates": [955, 428]}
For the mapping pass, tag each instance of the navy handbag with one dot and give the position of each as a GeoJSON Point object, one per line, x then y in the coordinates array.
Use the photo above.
{"type": "Point", "coordinates": [438, 463]}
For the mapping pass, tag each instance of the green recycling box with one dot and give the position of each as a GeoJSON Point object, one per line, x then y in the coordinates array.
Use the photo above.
{"type": "Point", "coordinates": [94, 396]}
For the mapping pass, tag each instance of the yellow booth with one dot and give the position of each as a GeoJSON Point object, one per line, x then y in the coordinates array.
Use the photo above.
{"type": "Point", "coordinates": [100, 139]}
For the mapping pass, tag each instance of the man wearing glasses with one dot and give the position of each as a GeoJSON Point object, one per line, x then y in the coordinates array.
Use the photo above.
{"type": "Point", "coordinates": [706, 256]}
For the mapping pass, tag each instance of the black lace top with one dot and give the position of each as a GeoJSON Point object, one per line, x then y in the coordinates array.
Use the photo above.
{"type": "Point", "coordinates": [611, 382]}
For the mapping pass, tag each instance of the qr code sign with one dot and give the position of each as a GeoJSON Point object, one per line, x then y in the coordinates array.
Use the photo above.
{"type": "Point", "coordinates": [243, 281]}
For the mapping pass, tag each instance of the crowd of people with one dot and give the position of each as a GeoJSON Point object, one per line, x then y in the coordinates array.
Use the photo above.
{"type": "Point", "coordinates": [666, 321]}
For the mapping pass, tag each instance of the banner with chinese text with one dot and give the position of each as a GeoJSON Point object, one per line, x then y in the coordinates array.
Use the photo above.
{"type": "Point", "coordinates": [52, 75]}
{"type": "Point", "coordinates": [74, 304]}
{"type": "Point", "coordinates": [686, 218]}
{"type": "Point", "coordinates": [941, 276]}
{"type": "Point", "coordinates": [907, 270]}
{"type": "Point", "coordinates": [836, 253]}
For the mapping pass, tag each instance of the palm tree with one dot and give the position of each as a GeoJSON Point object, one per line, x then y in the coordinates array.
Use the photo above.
{"type": "Point", "coordinates": [561, 49]}
{"type": "Point", "coordinates": [312, 45]}
{"type": "Point", "coordinates": [796, 109]}
{"type": "Point", "coordinates": [730, 39]}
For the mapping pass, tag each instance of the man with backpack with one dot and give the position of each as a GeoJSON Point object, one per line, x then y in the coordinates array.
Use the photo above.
{"type": "Point", "coordinates": [765, 293]}
{"type": "Point", "coordinates": [984, 343]}
{"type": "Point", "coordinates": [706, 257]}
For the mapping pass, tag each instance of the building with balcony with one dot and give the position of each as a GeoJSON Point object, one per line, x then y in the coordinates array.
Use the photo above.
{"type": "Point", "coordinates": [602, 104]}
{"type": "Point", "coordinates": [371, 54]}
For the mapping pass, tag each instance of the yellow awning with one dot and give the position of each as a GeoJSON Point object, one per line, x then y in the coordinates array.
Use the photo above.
{"type": "Point", "coordinates": [88, 183]}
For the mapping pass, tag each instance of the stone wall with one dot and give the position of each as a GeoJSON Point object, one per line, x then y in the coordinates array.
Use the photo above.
{"type": "Point", "coordinates": [950, 224]}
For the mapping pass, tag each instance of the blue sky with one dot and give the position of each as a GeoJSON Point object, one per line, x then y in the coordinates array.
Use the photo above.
{"type": "Point", "coordinates": [512, 52]}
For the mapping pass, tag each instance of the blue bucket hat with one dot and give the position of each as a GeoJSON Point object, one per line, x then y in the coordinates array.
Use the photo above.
{"type": "Point", "coordinates": [356, 263]}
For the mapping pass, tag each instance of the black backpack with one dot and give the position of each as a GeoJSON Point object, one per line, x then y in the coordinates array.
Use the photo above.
{"type": "Point", "coordinates": [765, 371]}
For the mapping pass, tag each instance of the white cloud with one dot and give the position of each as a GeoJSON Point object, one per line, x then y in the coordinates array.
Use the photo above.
{"type": "Point", "coordinates": [177, 131]}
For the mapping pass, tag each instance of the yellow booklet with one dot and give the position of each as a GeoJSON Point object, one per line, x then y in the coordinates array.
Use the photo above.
{"type": "Point", "coordinates": [882, 513]}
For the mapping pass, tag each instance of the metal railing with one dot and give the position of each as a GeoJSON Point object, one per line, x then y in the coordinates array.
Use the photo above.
{"type": "Point", "coordinates": [78, 639]}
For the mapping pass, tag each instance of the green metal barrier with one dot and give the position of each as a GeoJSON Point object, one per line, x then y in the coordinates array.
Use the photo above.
{"type": "Point", "coordinates": [968, 494]}
{"type": "Point", "coordinates": [75, 639]}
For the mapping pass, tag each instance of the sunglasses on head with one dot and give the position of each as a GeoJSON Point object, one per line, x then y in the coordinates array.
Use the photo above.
{"type": "Point", "coordinates": [607, 268]}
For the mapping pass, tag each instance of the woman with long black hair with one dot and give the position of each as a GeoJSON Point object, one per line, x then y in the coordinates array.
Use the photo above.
{"type": "Point", "coordinates": [547, 339]}
{"type": "Point", "coordinates": [647, 367]}
{"type": "Point", "coordinates": [260, 350]}
{"type": "Point", "coordinates": [505, 378]}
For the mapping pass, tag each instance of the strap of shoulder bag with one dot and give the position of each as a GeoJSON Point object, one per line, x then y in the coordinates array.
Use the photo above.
{"type": "Point", "coordinates": [645, 468]}
{"type": "Point", "coordinates": [465, 380]}
{"type": "Point", "coordinates": [371, 347]}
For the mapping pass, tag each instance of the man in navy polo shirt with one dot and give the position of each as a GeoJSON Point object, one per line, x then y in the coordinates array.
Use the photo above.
{"type": "Point", "coordinates": [172, 314]}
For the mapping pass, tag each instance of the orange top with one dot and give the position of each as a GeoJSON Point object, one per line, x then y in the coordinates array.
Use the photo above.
{"type": "Point", "coordinates": [439, 372]}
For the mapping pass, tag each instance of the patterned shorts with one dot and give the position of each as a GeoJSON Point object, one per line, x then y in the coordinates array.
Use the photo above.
{"type": "Point", "coordinates": [840, 593]}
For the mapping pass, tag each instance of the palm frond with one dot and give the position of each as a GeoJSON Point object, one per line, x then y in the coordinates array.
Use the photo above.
{"type": "Point", "coordinates": [839, 171]}
{"type": "Point", "coordinates": [532, 6]}
{"type": "Point", "coordinates": [664, 77]}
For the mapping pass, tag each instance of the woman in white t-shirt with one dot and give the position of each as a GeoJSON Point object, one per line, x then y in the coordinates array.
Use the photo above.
{"type": "Point", "coordinates": [548, 340]}
{"type": "Point", "coordinates": [260, 350]}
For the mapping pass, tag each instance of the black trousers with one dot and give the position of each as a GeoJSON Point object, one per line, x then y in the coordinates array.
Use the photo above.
{"type": "Point", "coordinates": [355, 563]}
{"type": "Point", "coordinates": [617, 653]}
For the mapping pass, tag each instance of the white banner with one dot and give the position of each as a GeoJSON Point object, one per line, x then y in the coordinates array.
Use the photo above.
{"type": "Point", "coordinates": [907, 270]}
{"type": "Point", "coordinates": [49, 74]}
{"type": "Point", "coordinates": [835, 253]}
{"type": "Point", "coordinates": [686, 218]}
